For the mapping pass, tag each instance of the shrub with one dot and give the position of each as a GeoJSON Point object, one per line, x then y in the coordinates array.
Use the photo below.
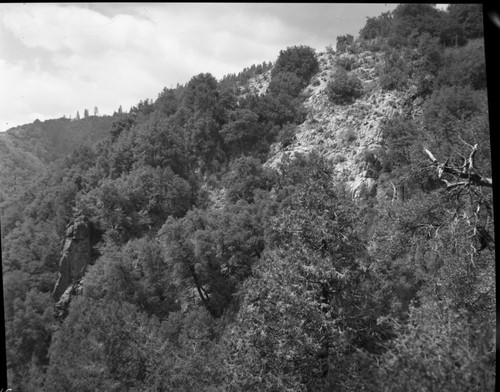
{"type": "Point", "coordinates": [286, 135]}
{"type": "Point", "coordinates": [343, 42]}
{"type": "Point", "coordinates": [338, 158]}
{"type": "Point", "coordinates": [410, 21]}
{"type": "Point", "coordinates": [300, 60]}
{"type": "Point", "coordinates": [394, 79]}
{"type": "Point", "coordinates": [243, 132]}
{"type": "Point", "coordinates": [344, 88]}
{"type": "Point", "coordinates": [245, 177]}
{"type": "Point", "coordinates": [373, 45]}
{"type": "Point", "coordinates": [201, 93]}
{"type": "Point", "coordinates": [376, 27]}
{"type": "Point", "coordinates": [452, 32]}
{"type": "Point", "coordinates": [286, 83]}
{"type": "Point", "coordinates": [431, 52]}
{"type": "Point", "coordinates": [452, 104]}
{"type": "Point", "coordinates": [278, 110]}
{"type": "Point", "coordinates": [348, 63]}
{"type": "Point", "coordinates": [394, 72]}
{"type": "Point", "coordinates": [470, 16]}
{"type": "Point", "coordinates": [433, 352]}
{"type": "Point", "coordinates": [403, 140]}
{"type": "Point", "coordinates": [346, 135]}
{"type": "Point", "coordinates": [447, 109]}
{"type": "Point", "coordinates": [464, 67]}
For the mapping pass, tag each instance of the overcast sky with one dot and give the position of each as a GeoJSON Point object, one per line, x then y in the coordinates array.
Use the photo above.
{"type": "Point", "coordinates": [56, 59]}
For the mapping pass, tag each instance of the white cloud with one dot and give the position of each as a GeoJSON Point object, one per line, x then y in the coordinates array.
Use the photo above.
{"type": "Point", "coordinates": [94, 61]}
{"type": "Point", "coordinates": [24, 94]}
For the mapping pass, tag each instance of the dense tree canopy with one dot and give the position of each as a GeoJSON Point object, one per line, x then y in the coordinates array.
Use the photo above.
{"type": "Point", "coordinates": [225, 254]}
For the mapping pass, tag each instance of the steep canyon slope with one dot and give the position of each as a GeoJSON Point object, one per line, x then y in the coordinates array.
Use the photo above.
{"type": "Point", "coordinates": [279, 229]}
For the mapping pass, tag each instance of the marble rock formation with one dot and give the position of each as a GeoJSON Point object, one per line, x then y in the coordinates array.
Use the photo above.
{"type": "Point", "coordinates": [76, 256]}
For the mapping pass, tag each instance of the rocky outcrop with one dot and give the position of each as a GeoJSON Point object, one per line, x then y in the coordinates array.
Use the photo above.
{"type": "Point", "coordinates": [349, 135]}
{"type": "Point", "coordinates": [63, 303]}
{"type": "Point", "coordinates": [363, 187]}
{"type": "Point", "coordinates": [76, 256]}
{"type": "Point", "coordinates": [258, 84]}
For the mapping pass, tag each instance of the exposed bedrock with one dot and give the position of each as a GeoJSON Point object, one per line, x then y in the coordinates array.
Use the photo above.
{"type": "Point", "coordinates": [76, 255]}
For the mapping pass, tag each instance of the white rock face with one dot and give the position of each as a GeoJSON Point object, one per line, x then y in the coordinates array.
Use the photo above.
{"type": "Point", "coordinates": [344, 132]}
{"type": "Point", "coordinates": [259, 84]}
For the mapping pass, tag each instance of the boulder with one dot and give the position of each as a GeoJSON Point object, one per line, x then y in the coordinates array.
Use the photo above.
{"type": "Point", "coordinates": [363, 187]}
{"type": "Point", "coordinates": [63, 302]}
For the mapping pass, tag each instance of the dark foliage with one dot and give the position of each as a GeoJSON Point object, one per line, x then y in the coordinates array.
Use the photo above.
{"type": "Point", "coordinates": [300, 60]}
{"type": "Point", "coordinates": [344, 88]}
{"type": "Point", "coordinates": [377, 26]}
{"type": "Point", "coordinates": [201, 93]}
{"type": "Point", "coordinates": [469, 17]}
{"type": "Point", "coordinates": [288, 83]}
{"type": "Point", "coordinates": [246, 177]}
{"type": "Point", "coordinates": [343, 42]}
{"type": "Point", "coordinates": [394, 72]}
{"type": "Point", "coordinates": [411, 21]}
{"type": "Point", "coordinates": [464, 67]}
{"type": "Point", "coordinates": [216, 268]}
{"type": "Point", "coordinates": [286, 135]}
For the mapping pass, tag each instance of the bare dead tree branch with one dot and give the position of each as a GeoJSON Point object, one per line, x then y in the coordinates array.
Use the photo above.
{"type": "Point", "coordinates": [464, 176]}
{"type": "Point", "coordinates": [465, 172]}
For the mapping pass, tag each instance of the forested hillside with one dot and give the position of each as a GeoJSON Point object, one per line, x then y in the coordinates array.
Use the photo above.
{"type": "Point", "coordinates": [26, 151]}
{"type": "Point", "coordinates": [323, 222]}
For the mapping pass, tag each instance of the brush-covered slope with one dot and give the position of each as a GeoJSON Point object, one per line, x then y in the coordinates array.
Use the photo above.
{"type": "Point", "coordinates": [279, 230]}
